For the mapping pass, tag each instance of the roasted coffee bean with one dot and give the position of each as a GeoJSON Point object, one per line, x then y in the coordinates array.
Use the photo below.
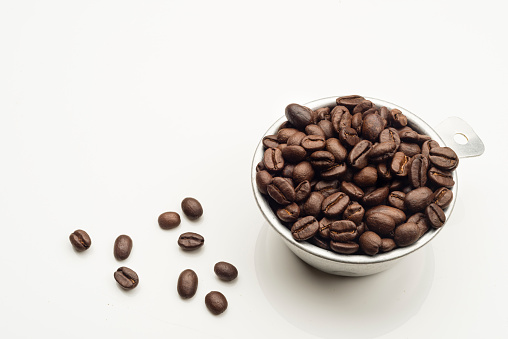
{"type": "Point", "coordinates": [407, 134]}
{"type": "Point", "coordinates": [335, 171]}
{"type": "Point", "coordinates": [324, 227]}
{"type": "Point", "coordinates": [313, 143]}
{"type": "Point", "coordinates": [285, 124]}
{"type": "Point", "coordinates": [312, 205]}
{"type": "Point", "coordinates": [396, 199]}
{"type": "Point", "coordinates": [417, 199]}
{"type": "Point", "coordinates": [338, 151]}
{"type": "Point", "coordinates": [284, 134]}
{"type": "Point", "coordinates": [287, 171]}
{"type": "Point", "coordinates": [390, 134]}
{"type": "Point", "coordinates": [303, 171]}
{"type": "Point", "coordinates": [366, 177]}
{"type": "Point", "coordinates": [289, 180]}
{"type": "Point", "coordinates": [187, 284]}
{"type": "Point", "coordinates": [344, 247]}
{"type": "Point", "coordinates": [281, 147]}
{"type": "Point", "coordinates": [427, 146]}
{"type": "Point", "coordinates": [336, 117]}
{"type": "Point", "coordinates": [359, 156]}
{"type": "Point", "coordinates": [400, 164]}
{"type": "Point", "coordinates": [383, 171]}
{"type": "Point", "coordinates": [299, 116]}
{"type": "Point", "coordinates": [362, 106]}
{"type": "Point", "coordinates": [409, 149]}
{"type": "Point", "coordinates": [380, 223]}
{"type": "Point", "coordinates": [384, 113]}
{"type": "Point", "coordinates": [354, 212]}
{"type": "Point", "coordinates": [350, 101]}
{"type": "Point", "coordinates": [327, 127]}
{"type": "Point", "coordinates": [314, 129]}
{"type": "Point", "coordinates": [361, 228]}
{"type": "Point", "coordinates": [372, 126]}
{"type": "Point", "coordinates": [190, 241]}
{"type": "Point", "coordinates": [382, 151]}
{"type": "Point", "coordinates": [123, 247]}
{"type": "Point", "coordinates": [345, 120]}
{"type": "Point", "coordinates": [357, 122]}
{"type": "Point", "coordinates": [289, 213]}
{"type": "Point", "coordinates": [354, 192]}
{"type": "Point", "coordinates": [398, 119]}
{"type": "Point", "coordinates": [321, 159]}
{"type": "Point", "coordinates": [397, 215]}
{"type": "Point", "coordinates": [323, 113]}
{"type": "Point", "coordinates": [80, 240]}
{"type": "Point", "coordinates": [294, 154]}
{"type": "Point", "coordinates": [435, 215]}
{"type": "Point", "coordinates": [376, 197]}
{"type": "Point", "coordinates": [442, 197]}
{"type": "Point", "coordinates": [281, 191]}
{"type": "Point", "coordinates": [260, 166]}
{"type": "Point", "coordinates": [422, 138]}
{"type": "Point", "coordinates": [387, 245]}
{"type": "Point", "coordinates": [325, 185]}
{"type": "Point", "coordinates": [349, 137]}
{"type": "Point", "coordinates": [319, 242]}
{"type": "Point", "coordinates": [305, 228]}
{"type": "Point", "coordinates": [370, 243]}
{"type": "Point", "coordinates": [169, 220]}
{"type": "Point", "coordinates": [406, 234]}
{"type": "Point", "coordinates": [343, 231]}
{"type": "Point", "coordinates": [225, 271]}
{"type": "Point", "coordinates": [270, 141]}
{"type": "Point", "coordinates": [273, 159]}
{"type": "Point", "coordinates": [126, 278]}
{"type": "Point", "coordinates": [216, 302]}
{"type": "Point", "coordinates": [302, 191]}
{"type": "Point", "coordinates": [441, 177]}
{"type": "Point", "coordinates": [373, 110]}
{"type": "Point", "coordinates": [418, 169]}
{"type": "Point", "coordinates": [296, 139]}
{"type": "Point", "coordinates": [444, 158]}
{"type": "Point", "coordinates": [334, 205]}
{"type": "Point", "coordinates": [421, 221]}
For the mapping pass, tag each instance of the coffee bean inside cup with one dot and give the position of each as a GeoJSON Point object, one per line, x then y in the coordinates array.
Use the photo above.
{"type": "Point", "coordinates": [355, 178]}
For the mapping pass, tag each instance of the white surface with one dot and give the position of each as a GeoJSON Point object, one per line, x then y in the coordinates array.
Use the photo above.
{"type": "Point", "coordinates": [113, 112]}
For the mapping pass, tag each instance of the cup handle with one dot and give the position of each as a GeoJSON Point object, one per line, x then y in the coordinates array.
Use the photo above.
{"type": "Point", "coordinates": [455, 127]}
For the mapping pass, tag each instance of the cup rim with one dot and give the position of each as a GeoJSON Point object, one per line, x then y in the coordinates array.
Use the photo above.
{"type": "Point", "coordinates": [414, 122]}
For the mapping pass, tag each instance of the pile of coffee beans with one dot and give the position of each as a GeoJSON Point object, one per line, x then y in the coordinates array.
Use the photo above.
{"type": "Point", "coordinates": [355, 178]}
{"type": "Point", "coordinates": [187, 283]}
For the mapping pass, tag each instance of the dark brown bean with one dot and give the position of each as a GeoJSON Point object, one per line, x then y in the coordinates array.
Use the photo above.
{"type": "Point", "coordinates": [366, 177]}
{"type": "Point", "coordinates": [284, 134]}
{"type": "Point", "coordinates": [299, 116]}
{"type": "Point", "coordinates": [314, 129]}
{"type": "Point", "coordinates": [313, 143]}
{"type": "Point", "coordinates": [418, 169]}
{"type": "Point", "coordinates": [312, 205]}
{"type": "Point", "coordinates": [370, 243]}
{"type": "Point", "coordinates": [216, 302]}
{"type": "Point", "coordinates": [170, 220]}
{"type": "Point", "coordinates": [343, 231]}
{"type": "Point", "coordinates": [427, 146]}
{"type": "Point", "coordinates": [192, 208]}
{"type": "Point", "coordinates": [400, 164]}
{"type": "Point", "coordinates": [294, 154]}
{"type": "Point", "coordinates": [387, 245]}
{"type": "Point", "coordinates": [190, 241]}
{"type": "Point", "coordinates": [417, 199]}
{"type": "Point", "coordinates": [409, 149]}
{"type": "Point", "coordinates": [334, 146]}
{"type": "Point", "coordinates": [126, 278]}
{"type": "Point", "coordinates": [324, 227]}
{"type": "Point", "coordinates": [444, 158]}
{"type": "Point", "coordinates": [302, 191]}
{"type": "Point", "coordinates": [187, 284]}
{"type": "Point", "coordinates": [303, 171]}
{"type": "Point", "coordinates": [296, 139]}
{"type": "Point", "coordinates": [397, 215]}
{"type": "Point", "coordinates": [273, 159]}
{"type": "Point", "coordinates": [123, 247]}
{"type": "Point", "coordinates": [289, 213]}
{"type": "Point", "coordinates": [372, 126]}
{"type": "Point", "coordinates": [383, 171]}
{"type": "Point", "coordinates": [441, 177]}
{"type": "Point", "coordinates": [390, 134]}
{"type": "Point", "coordinates": [321, 159]}
{"type": "Point", "coordinates": [334, 205]}
{"type": "Point", "coordinates": [382, 151]}
{"type": "Point", "coordinates": [327, 127]}
{"type": "Point", "coordinates": [281, 191]}
{"type": "Point", "coordinates": [80, 240]}
{"type": "Point", "coordinates": [359, 156]}
{"type": "Point", "coordinates": [323, 113]}
{"type": "Point", "coordinates": [406, 234]}
{"type": "Point", "coordinates": [380, 223]}
{"type": "Point", "coordinates": [397, 118]}
{"type": "Point", "coordinates": [357, 122]}
{"type": "Point", "coordinates": [350, 101]}
{"type": "Point", "coordinates": [349, 137]}
{"type": "Point", "coordinates": [354, 192]}
{"type": "Point", "coordinates": [421, 221]}
{"type": "Point", "coordinates": [354, 212]}
{"type": "Point", "coordinates": [225, 271]}
{"type": "Point", "coordinates": [305, 228]}
{"type": "Point", "coordinates": [362, 106]}
{"type": "Point", "coordinates": [336, 117]}
{"type": "Point", "coordinates": [344, 247]}
{"type": "Point", "coordinates": [442, 197]}
{"type": "Point", "coordinates": [396, 199]}
{"type": "Point", "coordinates": [435, 215]}
{"type": "Point", "coordinates": [376, 197]}
{"type": "Point", "coordinates": [270, 141]}
{"type": "Point", "coordinates": [407, 134]}
{"type": "Point", "coordinates": [335, 171]}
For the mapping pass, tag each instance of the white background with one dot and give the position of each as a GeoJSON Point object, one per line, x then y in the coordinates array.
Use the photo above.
{"type": "Point", "coordinates": [111, 112]}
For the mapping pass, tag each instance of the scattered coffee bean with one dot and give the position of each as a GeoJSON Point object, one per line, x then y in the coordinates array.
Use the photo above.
{"type": "Point", "coordinates": [225, 271]}
{"type": "Point", "coordinates": [80, 240]}
{"type": "Point", "coordinates": [126, 278]}
{"type": "Point", "coordinates": [187, 284]}
{"type": "Point", "coordinates": [123, 247]}
{"type": "Point", "coordinates": [192, 208]}
{"type": "Point", "coordinates": [169, 220]}
{"type": "Point", "coordinates": [216, 302]}
{"type": "Point", "coordinates": [190, 241]}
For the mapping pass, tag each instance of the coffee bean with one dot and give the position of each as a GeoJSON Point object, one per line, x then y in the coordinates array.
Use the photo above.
{"type": "Point", "coordinates": [312, 206]}
{"type": "Point", "coordinates": [289, 213]}
{"type": "Point", "coordinates": [407, 134]}
{"type": "Point", "coordinates": [417, 199]}
{"type": "Point", "coordinates": [380, 223]}
{"type": "Point", "coordinates": [406, 234]}
{"type": "Point", "coordinates": [357, 122]}
{"type": "Point", "coordinates": [284, 134]}
{"type": "Point", "coordinates": [349, 137]}
{"type": "Point", "coordinates": [314, 129]}
{"type": "Point", "coordinates": [359, 156]}
{"type": "Point", "coordinates": [187, 284]}
{"type": "Point", "coordinates": [327, 128]}
{"type": "Point", "coordinates": [336, 118]}
{"type": "Point", "coordinates": [225, 271]}
{"type": "Point", "coordinates": [444, 158]}
{"type": "Point", "coordinates": [324, 227]}
{"type": "Point", "coordinates": [296, 139]}
{"type": "Point", "coordinates": [354, 192]}
{"type": "Point", "coordinates": [366, 177]}
{"type": "Point", "coordinates": [80, 240]}
{"type": "Point", "coordinates": [273, 159]}
{"type": "Point", "coordinates": [427, 146]}
{"type": "Point", "coordinates": [372, 126]}
{"type": "Point", "coordinates": [400, 164]}
{"type": "Point", "coordinates": [384, 113]}
{"type": "Point", "coordinates": [323, 113]}
{"type": "Point", "coordinates": [370, 243]}
{"type": "Point", "coordinates": [305, 228]}
{"type": "Point", "coordinates": [350, 101]}
{"type": "Point", "coordinates": [126, 278]}
{"type": "Point", "coordinates": [319, 242]}
{"type": "Point", "coordinates": [397, 118]}
{"type": "Point", "coordinates": [294, 154]}
{"type": "Point", "coordinates": [287, 171]}
{"type": "Point", "coordinates": [313, 143]}
{"type": "Point", "coordinates": [409, 149]}
{"type": "Point", "coordinates": [418, 169]}
{"type": "Point", "coordinates": [442, 197]}
{"type": "Point", "coordinates": [376, 197]}
{"type": "Point", "coordinates": [397, 215]}
{"type": "Point", "coordinates": [260, 166]}
{"type": "Point", "coordinates": [338, 151]}
{"type": "Point", "coordinates": [383, 171]}
{"type": "Point", "coordinates": [169, 220]}
{"type": "Point", "coordinates": [343, 231]}
{"type": "Point", "coordinates": [396, 199]}
{"type": "Point", "coordinates": [302, 191]}
{"type": "Point", "coordinates": [335, 204]}
{"type": "Point", "coordinates": [299, 116]}
{"type": "Point", "coordinates": [190, 241]}
{"type": "Point", "coordinates": [123, 247]}
{"type": "Point", "coordinates": [192, 208]}
{"type": "Point", "coordinates": [270, 141]}
{"type": "Point", "coordinates": [344, 247]}
{"type": "Point", "coordinates": [335, 171]}
{"type": "Point", "coordinates": [390, 135]}
{"type": "Point", "coordinates": [321, 159]}
{"type": "Point", "coordinates": [421, 221]}
{"type": "Point", "coordinates": [435, 215]}
{"type": "Point", "coordinates": [382, 151]}
{"type": "Point", "coordinates": [387, 245]}
{"type": "Point", "coordinates": [441, 177]}
{"type": "Point", "coordinates": [303, 171]}
{"type": "Point", "coordinates": [354, 212]}
{"type": "Point", "coordinates": [263, 179]}
{"type": "Point", "coordinates": [216, 302]}
{"type": "Point", "coordinates": [281, 191]}
{"type": "Point", "coordinates": [362, 106]}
